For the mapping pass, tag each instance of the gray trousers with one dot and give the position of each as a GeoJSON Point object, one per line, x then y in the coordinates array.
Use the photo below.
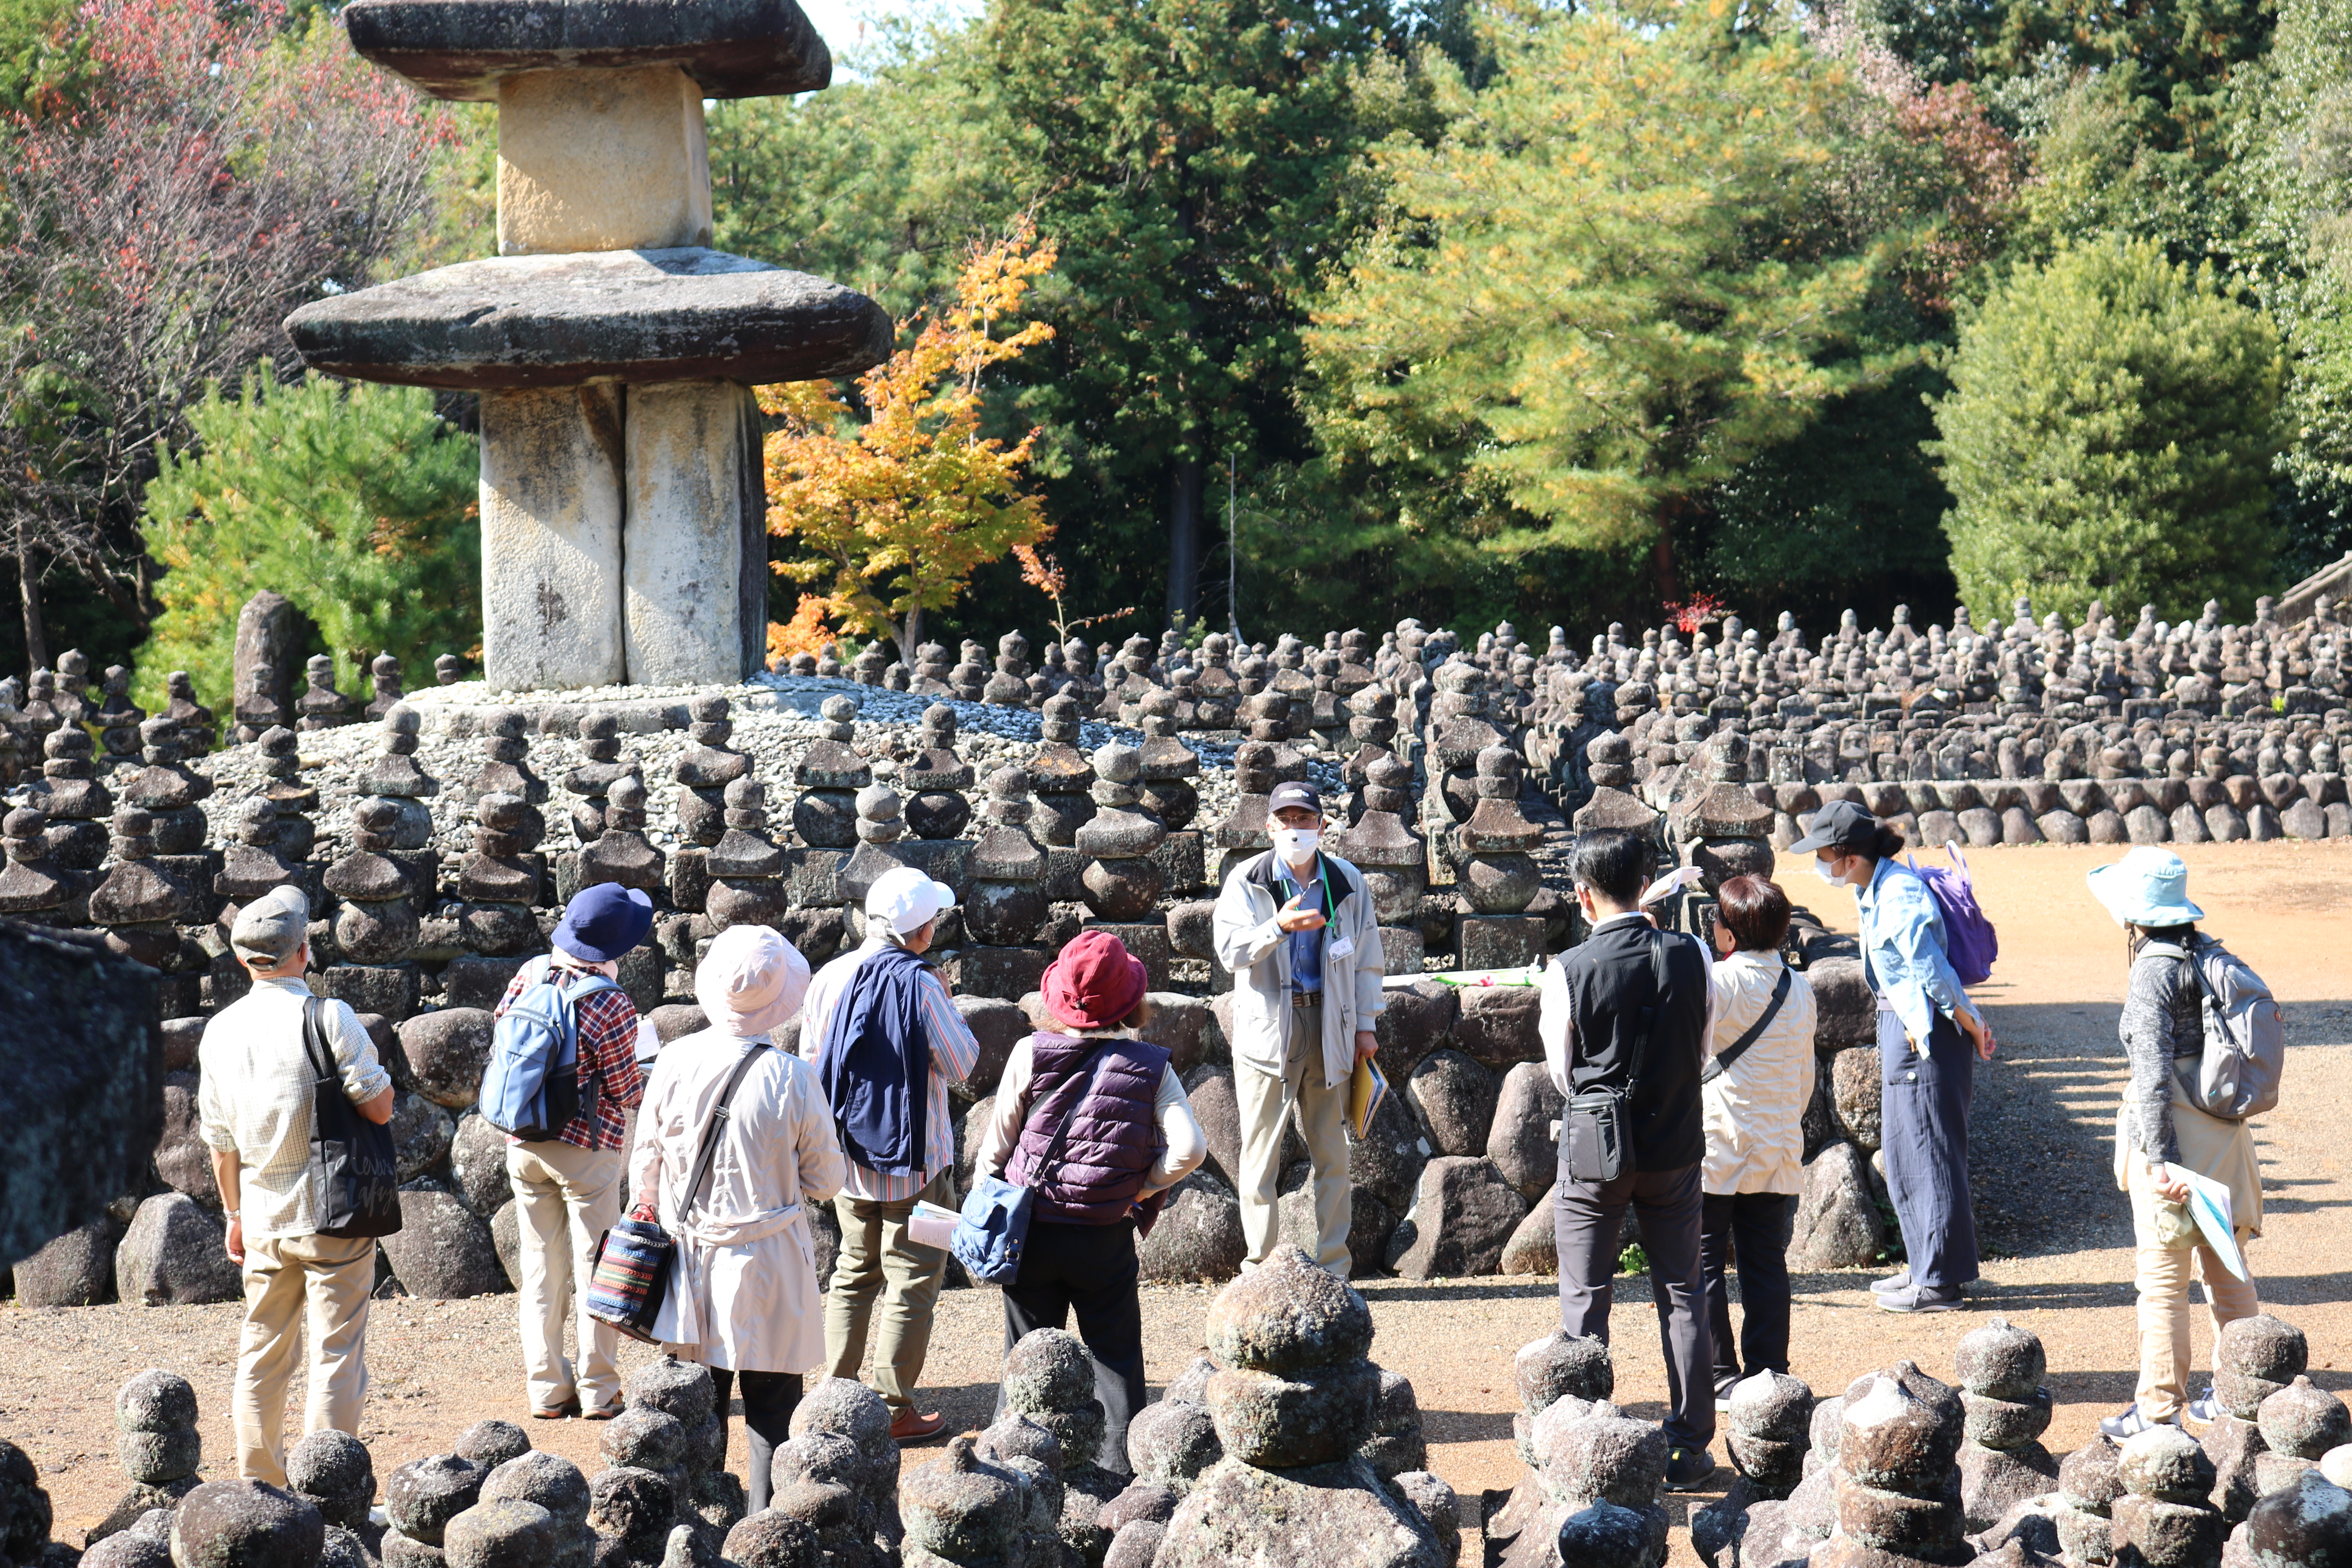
{"type": "Point", "coordinates": [1587, 1218]}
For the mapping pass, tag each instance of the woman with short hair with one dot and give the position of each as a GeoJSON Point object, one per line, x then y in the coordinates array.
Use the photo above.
{"type": "Point", "coordinates": [2159, 1133]}
{"type": "Point", "coordinates": [742, 1297]}
{"type": "Point", "coordinates": [1757, 1084]}
{"type": "Point", "coordinates": [1094, 1121]}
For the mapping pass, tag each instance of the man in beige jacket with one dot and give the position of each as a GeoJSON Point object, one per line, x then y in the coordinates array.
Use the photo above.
{"type": "Point", "coordinates": [1295, 927]}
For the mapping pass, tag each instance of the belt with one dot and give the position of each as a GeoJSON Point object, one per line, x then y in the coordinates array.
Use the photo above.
{"type": "Point", "coordinates": [1307, 998]}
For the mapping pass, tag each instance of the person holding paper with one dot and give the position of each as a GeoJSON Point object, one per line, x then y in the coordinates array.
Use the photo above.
{"type": "Point", "coordinates": [1296, 926]}
{"type": "Point", "coordinates": [1096, 1123]}
{"type": "Point", "coordinates": [1625, 1016]}
{"type": "Point", "coordinates": [2159, 1136]}
{"type": "Point", "coordinates": [742, 1296]}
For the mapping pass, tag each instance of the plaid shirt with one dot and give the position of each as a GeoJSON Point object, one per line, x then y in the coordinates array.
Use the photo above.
{"type": "Point", "coordinates": [257, 1092]}
{"type": "Point", "coordinates": [608, 1056]}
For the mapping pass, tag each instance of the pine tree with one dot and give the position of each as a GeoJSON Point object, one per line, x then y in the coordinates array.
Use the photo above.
{"type": "Point", "coordinates": [356, 502]}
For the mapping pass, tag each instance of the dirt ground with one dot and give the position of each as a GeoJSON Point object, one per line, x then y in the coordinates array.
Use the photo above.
{"type": "Point", "coordinates": [2054, 1230]}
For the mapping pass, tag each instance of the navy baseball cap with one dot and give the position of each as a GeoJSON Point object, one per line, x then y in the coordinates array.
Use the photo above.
{"type": "Point", "coordinates": [605, 922]}
{"type": "Point", "coordinates": [1288, 795]}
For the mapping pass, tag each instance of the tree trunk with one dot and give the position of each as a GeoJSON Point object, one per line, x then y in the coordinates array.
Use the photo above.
{"type": "Point", "coordinates": [29, 594]}
{"type": "Point", "coordinates": [909, 638]}
{"type": "Point", "coordinates": [1662, 559]}
{"type": "Point", "coordinates": [1184, 489]}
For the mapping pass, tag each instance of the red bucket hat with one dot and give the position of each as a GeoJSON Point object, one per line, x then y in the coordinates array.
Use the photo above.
{"type": "Point", "coordinates": [1094, 982]}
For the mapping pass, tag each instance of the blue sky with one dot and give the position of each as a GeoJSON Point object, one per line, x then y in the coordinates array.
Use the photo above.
{"type": "Point", "coordinates": [839, 20]}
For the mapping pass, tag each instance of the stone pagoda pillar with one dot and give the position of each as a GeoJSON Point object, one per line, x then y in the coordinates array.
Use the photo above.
{"type": "Point", "coordinates": [623, 502]}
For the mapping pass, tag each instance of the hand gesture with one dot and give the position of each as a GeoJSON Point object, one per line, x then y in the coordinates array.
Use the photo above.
{"type": "Point", "coordinates": [1295, 916]}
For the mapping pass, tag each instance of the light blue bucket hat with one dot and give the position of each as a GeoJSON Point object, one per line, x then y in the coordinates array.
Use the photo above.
{"type": "Point", "coordinates": [2148, 886]}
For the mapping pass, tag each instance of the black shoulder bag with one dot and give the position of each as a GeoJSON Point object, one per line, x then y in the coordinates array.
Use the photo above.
{"type": "Point", "coordinates": [1721, 1060]}
{"type": "Point", "coordinates": [354, 1176]}
{"type": "Point", "coordinates": [1598, 1121]}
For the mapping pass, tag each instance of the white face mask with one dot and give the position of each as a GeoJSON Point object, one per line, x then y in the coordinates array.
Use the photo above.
{"type": "Point", "coordinates": [1822, 869]}
{"type": "Point", "coordinates": [1296, 844]}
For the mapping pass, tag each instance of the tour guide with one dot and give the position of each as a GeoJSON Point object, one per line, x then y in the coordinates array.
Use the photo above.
{"type": "Point", "coordinates": [1295, 927]}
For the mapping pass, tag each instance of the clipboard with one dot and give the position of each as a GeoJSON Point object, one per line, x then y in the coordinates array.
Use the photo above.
{"type": "Point", "coordinates": [2209, 1205]}
{"type": "Point", "coordinates": [1368, 1086]}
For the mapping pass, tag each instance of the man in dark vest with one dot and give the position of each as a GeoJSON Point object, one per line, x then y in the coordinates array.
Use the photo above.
{"type": "Point", "coordinates": [1608, 1025]}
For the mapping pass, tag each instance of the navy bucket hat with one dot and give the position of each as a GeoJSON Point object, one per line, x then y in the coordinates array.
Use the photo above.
{"type": "Point", "coordinates": [605, 922]}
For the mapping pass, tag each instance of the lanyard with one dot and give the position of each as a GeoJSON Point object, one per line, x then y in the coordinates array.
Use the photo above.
{"type": "Point", "coordinates": [1322, 880]}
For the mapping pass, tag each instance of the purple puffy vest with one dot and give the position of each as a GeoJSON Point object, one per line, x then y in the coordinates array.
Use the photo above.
{"type": "Point", "coordinates": [1113, 1135]}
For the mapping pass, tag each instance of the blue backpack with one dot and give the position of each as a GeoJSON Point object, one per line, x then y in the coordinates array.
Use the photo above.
{"type": "Point", "coordinates": [532, 1089]}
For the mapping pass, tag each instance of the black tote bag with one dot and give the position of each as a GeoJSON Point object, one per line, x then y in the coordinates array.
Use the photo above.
{"type": "Point", "coordinates": [354, 1177]}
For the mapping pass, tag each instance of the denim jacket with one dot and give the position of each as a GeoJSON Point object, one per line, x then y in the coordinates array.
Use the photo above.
{"type": "Point", "coordinates": [1903, 950]}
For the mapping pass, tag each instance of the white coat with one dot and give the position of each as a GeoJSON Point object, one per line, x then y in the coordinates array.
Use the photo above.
{"type": "Point", "coordinates": [1755, 1112]}
{"type": "Point", "coordinates": [742, 1289]}
{"type": "Point", "coordinates": [1251, 944]}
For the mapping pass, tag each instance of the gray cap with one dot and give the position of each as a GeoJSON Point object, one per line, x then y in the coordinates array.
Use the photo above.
{"type": "Point", "coordinates": [269, 928]}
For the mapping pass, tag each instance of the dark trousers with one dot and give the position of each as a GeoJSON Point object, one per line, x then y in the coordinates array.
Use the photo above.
{"type": "Point", "coordinates": [1752, 1230]}
{"type": "Point", "coordinates": [1924, 1130]}
{"type": "Point", "coordinates": [1088, 1269]}
{"type": "Point", "coordinates": [1587, 1218]}
{"type": "Point", "coordinates": [769, 1400]}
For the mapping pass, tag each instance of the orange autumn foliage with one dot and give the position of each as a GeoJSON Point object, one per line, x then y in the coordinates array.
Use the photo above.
{"type": "Point", "coordinates": [892, 512]}
{"type": "Point", "coordinates": [804, 633]}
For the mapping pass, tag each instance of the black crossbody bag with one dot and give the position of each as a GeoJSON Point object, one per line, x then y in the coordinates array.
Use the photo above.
{"type": "Point", "coordinates": [354, 1175]}
{"type": "Point", "coordinates": [1722, 1059]}
{"type": "Point", "coordinates": [1598, 1122]}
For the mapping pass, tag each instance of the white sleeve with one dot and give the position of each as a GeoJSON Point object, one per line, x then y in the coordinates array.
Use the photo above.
{"type": "Point", "coordinates": [1553, 1023]}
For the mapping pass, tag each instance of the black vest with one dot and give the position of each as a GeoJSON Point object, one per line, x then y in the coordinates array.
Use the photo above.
{"type": "Point", "coordinates": [1613, 998]}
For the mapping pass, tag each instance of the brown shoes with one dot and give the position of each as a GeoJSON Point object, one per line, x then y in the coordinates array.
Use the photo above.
{"type": "Point", "coordinates": [568, 1408]}
{"type": "Point", "coordinates": [605, 1412]}
{"type": "Point", "coordinates": [913, 1426]}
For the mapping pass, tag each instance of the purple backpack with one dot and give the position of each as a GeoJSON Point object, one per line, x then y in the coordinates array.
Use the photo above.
{"type": "Point", "coordinates": [1969, 940]}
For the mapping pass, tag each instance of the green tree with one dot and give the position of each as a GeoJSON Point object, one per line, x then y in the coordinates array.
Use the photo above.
{"type": "Point", "coordinates": [357, 502]}
{"type": "Point", "coordinates": [2291, 140]}
{"type": "Point", "coordinates": [2109, 435]}
{"type": "Point", "coordinates": [1638, 259]}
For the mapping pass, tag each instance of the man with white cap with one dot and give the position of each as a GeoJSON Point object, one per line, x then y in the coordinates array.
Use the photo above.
{"type": "Point", "coordinates": [886, 1041]}
{"type": "Point", "coordinates": [254, 1098]}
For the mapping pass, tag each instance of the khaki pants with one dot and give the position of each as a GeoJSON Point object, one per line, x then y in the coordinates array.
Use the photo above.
{"type": "Point", "coordinates": [2164, 1275]}
{"type": "Point", "coordinates": [565, 1199]}
{"type": "Point", "coordinates": [1265, 1099]}
{"type": "Point", "coordinates": [291, 1281]}
{"type": "Point", "coordinates": [877, 1257]}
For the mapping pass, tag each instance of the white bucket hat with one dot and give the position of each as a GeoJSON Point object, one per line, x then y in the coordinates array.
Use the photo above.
{"type": "Point", "coordinates": [2148, 886]}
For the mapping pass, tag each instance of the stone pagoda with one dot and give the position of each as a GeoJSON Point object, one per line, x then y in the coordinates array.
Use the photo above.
{"type": "Point", "coordinates": [622, 503]}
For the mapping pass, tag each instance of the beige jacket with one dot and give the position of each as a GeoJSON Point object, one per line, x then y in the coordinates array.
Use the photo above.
{"type": "Point", "coordinates": [1755, 1112]}
{"type": "Point", "coordinates": [743, 1288]}
{"type": "Point", "coordinates": [1257, 950]}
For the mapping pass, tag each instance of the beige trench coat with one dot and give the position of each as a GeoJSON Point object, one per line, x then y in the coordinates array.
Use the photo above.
{"type": "Point", "coordinates": [1755, 1114]}
{"type": "Point", "coordinates": [743, 1288]}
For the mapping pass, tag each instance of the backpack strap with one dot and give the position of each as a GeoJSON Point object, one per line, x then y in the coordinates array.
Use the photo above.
{"type": "Point", "coordinates": [589, 983]}
{"type": "Point", "coordinates": [1718, 1063]}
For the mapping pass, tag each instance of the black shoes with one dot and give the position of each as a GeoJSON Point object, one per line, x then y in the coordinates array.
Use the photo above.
{"type": "Point", "coordinates": [1686, 1469]}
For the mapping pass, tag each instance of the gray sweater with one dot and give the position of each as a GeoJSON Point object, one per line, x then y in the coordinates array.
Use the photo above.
{"type": "Point", "coordinates": [2163, 1014]}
